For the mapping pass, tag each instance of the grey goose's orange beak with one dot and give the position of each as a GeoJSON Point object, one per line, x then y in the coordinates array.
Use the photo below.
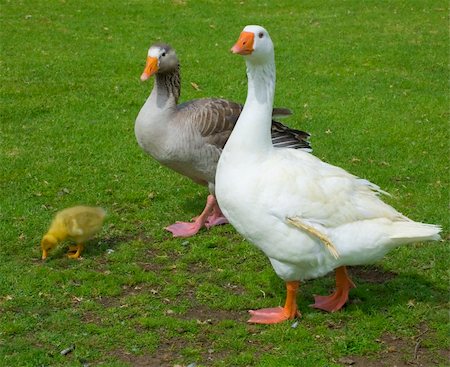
{"type": "Point", "coordinates": [151, 67]}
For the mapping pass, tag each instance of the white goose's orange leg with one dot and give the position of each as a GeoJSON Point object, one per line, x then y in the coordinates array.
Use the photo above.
{"type": "Point", "coordinates": [279, 314]}
{"type": "Point", "coordinates": [337, 300]}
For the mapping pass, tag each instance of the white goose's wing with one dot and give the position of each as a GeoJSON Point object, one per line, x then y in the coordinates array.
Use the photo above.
{"type": "Point", "coordinates": [319, 193]}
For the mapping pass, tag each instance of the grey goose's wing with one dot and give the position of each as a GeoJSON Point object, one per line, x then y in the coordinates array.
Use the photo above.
{"type": "Point", "coordinates": [215, 118]}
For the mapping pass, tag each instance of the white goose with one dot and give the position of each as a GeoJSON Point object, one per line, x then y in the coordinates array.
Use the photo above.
{"type": "Point", "coordinates": [189, 137]}
{"type": "Point", "coordinates": [307, 216]}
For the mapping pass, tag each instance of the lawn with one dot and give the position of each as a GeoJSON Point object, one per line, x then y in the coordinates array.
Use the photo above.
{"type": "Point", "coordinates": [368, 80]}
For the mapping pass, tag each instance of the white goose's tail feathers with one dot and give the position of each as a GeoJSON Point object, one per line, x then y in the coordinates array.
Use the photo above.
{"type": "Point", "coordinates": [406, 232]}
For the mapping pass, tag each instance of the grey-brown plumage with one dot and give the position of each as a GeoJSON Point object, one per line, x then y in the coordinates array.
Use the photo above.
{"type": "Point", "coordinates": [189, 137]}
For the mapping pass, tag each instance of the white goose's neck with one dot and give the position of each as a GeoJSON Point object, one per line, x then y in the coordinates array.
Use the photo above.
{"type": "Point", "coordinates": [253, 129]}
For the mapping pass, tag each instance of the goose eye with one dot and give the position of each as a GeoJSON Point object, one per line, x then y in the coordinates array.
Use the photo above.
{"type": "Point", "coordinates": [261, 35]}
{"type": "Point", "coordinates": [163, 54]}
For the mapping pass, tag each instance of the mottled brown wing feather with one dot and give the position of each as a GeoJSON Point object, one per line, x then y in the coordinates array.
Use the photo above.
{"type": "Point", "coordinates": [215, 119]}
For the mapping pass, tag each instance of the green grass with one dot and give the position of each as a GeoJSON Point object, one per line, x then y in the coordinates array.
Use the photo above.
{"type": "Point", "coordinates": [368, 79]}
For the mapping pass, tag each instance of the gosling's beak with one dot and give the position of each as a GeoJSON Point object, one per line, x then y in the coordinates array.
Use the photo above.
{"type": "Point", "coordinates": [44, 254]}
{"type": "Point", "coordinates": [244, 45]}
{"type": "Point", "coordinates": [150, 68]}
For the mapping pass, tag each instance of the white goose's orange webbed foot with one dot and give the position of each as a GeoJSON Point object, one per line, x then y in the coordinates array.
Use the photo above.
{"type": "Point", "coordinates": [336, 300]}
{"type": "Point", "coordinates": [205, 219]}
{"type": "Point", "coordinates": [279, 314]}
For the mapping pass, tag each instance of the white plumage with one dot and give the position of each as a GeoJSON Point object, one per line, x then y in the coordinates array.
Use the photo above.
{"type": "Point", "coordinates": [290, 204]}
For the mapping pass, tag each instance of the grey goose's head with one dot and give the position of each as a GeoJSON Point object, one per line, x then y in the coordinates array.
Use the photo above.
{"type": "Point", "coordinates": [161, 59]}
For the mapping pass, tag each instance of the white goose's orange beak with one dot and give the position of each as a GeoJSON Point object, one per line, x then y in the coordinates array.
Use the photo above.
{"type": "Point", "coordinates": [151, 67]}
{"type": "Point", "coordinates": [244, 45]}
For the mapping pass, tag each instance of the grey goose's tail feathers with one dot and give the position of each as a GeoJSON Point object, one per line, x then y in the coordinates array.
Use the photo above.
{"type": "Point", "coordinates": [280, 112]}
{"type": "Point", "coordinates": [286, 137]}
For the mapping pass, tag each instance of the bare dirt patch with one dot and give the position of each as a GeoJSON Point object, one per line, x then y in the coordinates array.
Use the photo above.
{"type": "Point", "coordinates": [143, 360]}
{"type": "Point", "coordinates": [156, 260]}
{"type": "Point", "coordinates": [371, 274]}
{"type": "Point", "coordinates": [170, 352]}
{"type": "Point", "coordinates": [90, 317]}
{"type": "Point", "coordinates": [176, 349]}
{"type": "Point", "coordinates": [114, 238]}
{"type": "Point", "coordinates": [401, 352]}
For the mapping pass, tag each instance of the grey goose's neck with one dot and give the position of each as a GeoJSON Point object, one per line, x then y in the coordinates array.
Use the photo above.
{"type": "Point", "coordinates": [152, 123]}
{"type": "Point", "coordinates": [168, 85]}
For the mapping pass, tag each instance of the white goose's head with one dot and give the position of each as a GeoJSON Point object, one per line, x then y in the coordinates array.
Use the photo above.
{"type": "Point", "coordinates": [161, 58]}
{"type": "Point", "coordinates": [255, 44]}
